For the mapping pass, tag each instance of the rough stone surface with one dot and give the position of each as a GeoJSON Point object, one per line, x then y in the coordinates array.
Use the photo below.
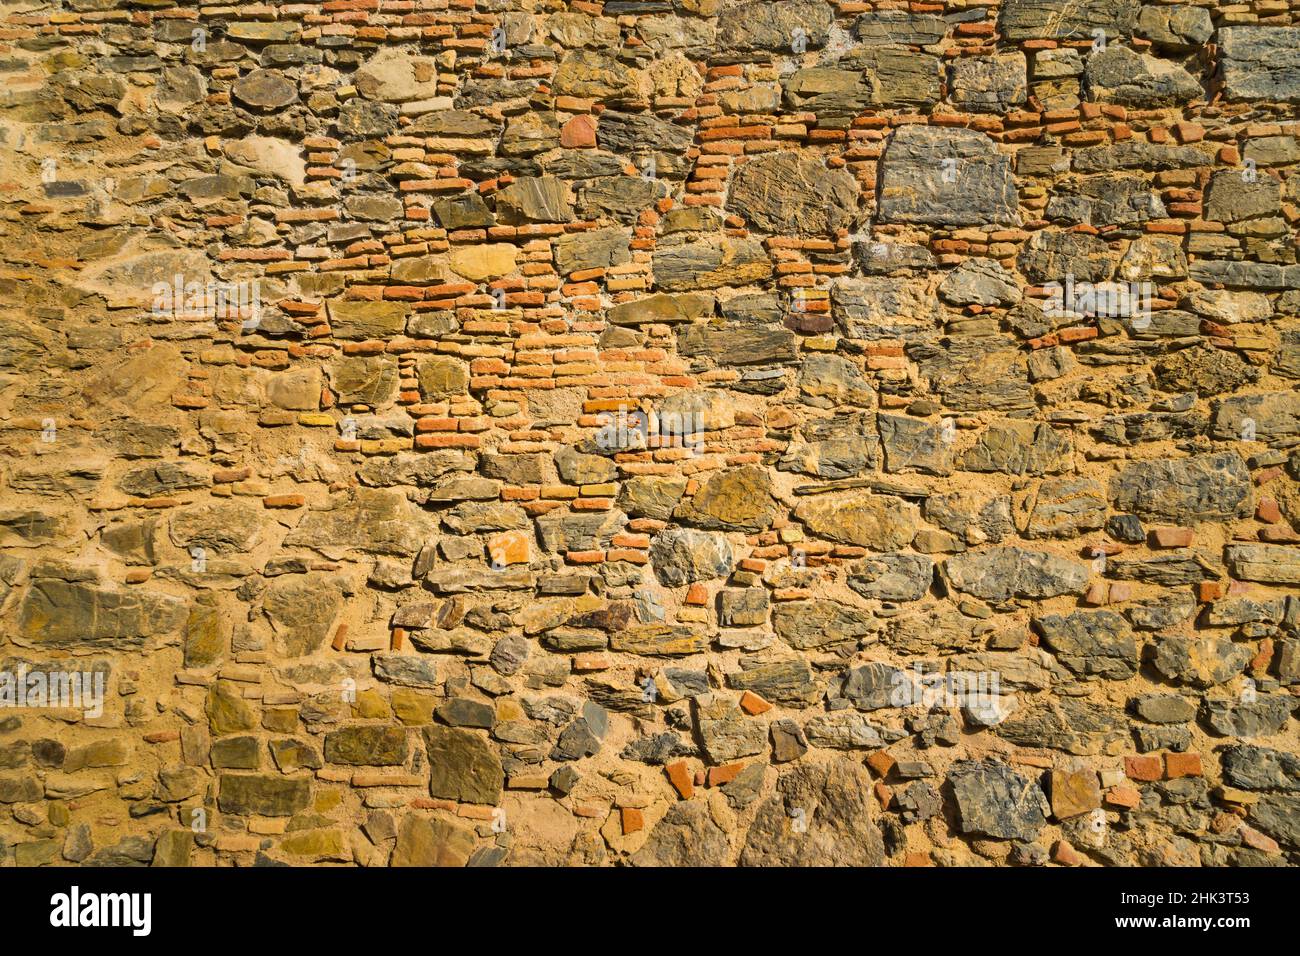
{"type": "Point", "coordinates": [977, 186]}
{"type": "Point", "coordinates": [794, 193]}
{"type": "Point", "coordinates": [652, 432]}
{"type": "Point", "coordinates": [837, 820]}
{"type": "Point", "coordinates": [998, 574]}
{"type": "Point", "coordinates": [995, 801]}
{"type": "Point", "coordinates": [1261, 63]}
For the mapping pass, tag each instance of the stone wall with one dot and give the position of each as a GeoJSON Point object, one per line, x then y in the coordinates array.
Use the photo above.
{"type": "Point", "coordinates": [652, 432]}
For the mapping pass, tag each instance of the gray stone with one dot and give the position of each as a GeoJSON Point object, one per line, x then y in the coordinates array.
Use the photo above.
{"type": "Point", "coordinates": [687, 835]}
{"type": "Point", "coordinates": [763, 26]}
{"type": "Point", "coordinates": [897, 77]}
{"type": "Point", "coordinates": [367, 745]}
{"type": "Point", "coordinates": [1180, 28]}
{"type": "Point", "coordinates": [999, 574]}
{"type": "Point", "coordinates": [839, 447]}
{"type": "Point", "coordinates": [1091, 643]}
{"type": "Point", "coordinates": [375, 520]}
{"type": "Point", "coordinates": [1104, 201]}
{"type": "Point", "coordinates": [710, 264]}
{"type": "Point", "coordinates": [593, 249]}
{"type": "Point", "coordinates": [1164, 708]}
{"type": "Point", "coordinates": [58, 613]}
{"type": "Point", "coordinates": [1074, 726]}
{"type": "Point", "coordinates": [834, 380]}
{"type": "Point", "coordinates": [647, 496]}
{"type": "Point", "coordinates": [997, 381]}
{"type": "Point", "coordinates": [135, 542]}
{"type": "Point", "coordinates": [597, 74]}
{"type": "Point", "coordinates": [832, 803]}
{"type": "Point", "coordinates": [844, 730]}
{"type": "Point", "coordinates": [742, 607]}
{"type": "Point", "coordinates": [1266, 563]}
{"type": "Point", "coordinates": [1137, 154]}
{"type": "Point", "coordinates": [579, 469]}
{"type": "Point", "coordinates": [1121, 75]}
{"type": "Point", "coordinates": [733, 499]}
{"type": "Point", "coordinates": [302, 610]}
{"type": "Point", "coordinates": [1262, 717]}
{"type": "Point", "coordinates": [163, 478]}
{"type": "Point", "coordinates": [1261, 768]}
{"type": "Point", "coordinates": [961, 512]}
{"type": "Point", "coordinates": [583, 737]}
{"type": "Point", "coordinates": [1180, 566]}
{"type": "Point", "coordinates": [622, 198]}
{"type": "Point", "coordinates": [788, 741]}
{"type": "Point", "coordinates": [874, 686]}
{"type": "Point", "coordinates": [466, 712]}
{"type": "Point", "coordinates": [725, 732]}
{"type": "Point", "coordinates": [407, 670]}
{"type": "Point", "coordinates": [657, 749]}
{"type": "Point", "coordinates": [365, 379]}
{"type": "Point", "coordinates": [1199, 661]}
{"type": "Point", "coordinates": [264, 89]}
{"type": "Point", "coordinates": [732, 343]}
{"type": "Point", "coordinates": [423, 842]}
{"type": "Point", "coordinates": [1205, 487]}
{"type": "Point", "coordinates": [658, 640]}
{"type": "Point", "coordinates": [1062, 19]}
{"type": "Point", "coordinates": [892, 577]}
{"type": "Point", "coordinates": [1066, 508]}
{"type": "Point", "coordinates": [1246, 275]}
{"type": "Point", "coordinates": [578, 532]}
{"type": "Point", "coordinates": [819, 624]}
{"type": "Point", "coordinates": [830, 92]}
{"type": "Point", "coordinates": [884, 308]}
{"type": "Point", "coordinates": [992, 84]}
{"type": "Point", "coordinates": [1052, 256]}
{"type": "Point", "coordinates": [789, 682]}
{"type": "Point", "coordinates": [794, 193]}
{"type": "Point", "coordinates": [1206, 371]}
{"type": "Point", "coordinates": [1279, 815]}
{"type": "Point", "coordinates": [1230, 198]}
{"type": "Point", "coordinates": [441, 377]}
{"type": "Point", "coordinates": [913, 187]}
{"type": "Point", "coordinates": [1260, 63]}
{"type": "Point", "coordinates": [682, 556]}
{"type": "Point", "coordinates": [900, 27]}
{"type": "Point", "coordinates": [634, 134]}
{"type": "Point", "coordinates": [995, 801]}
{"type": "Point", "coordinates": [220, 527]}
{"type": "Point", "coordinates": [918, 802]}
{"type": "Point", "coordinates": [1262, 417]}
{"type": "Point", "coordinates": [534, 199]}
{"type": "Point", "coordinates": [980, 282]}
{"type": "Point", "coordinates": [1020, 448]}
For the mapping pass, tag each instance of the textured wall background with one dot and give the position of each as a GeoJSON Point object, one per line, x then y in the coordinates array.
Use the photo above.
{"type": "Point", "coordinates": [386, 570]}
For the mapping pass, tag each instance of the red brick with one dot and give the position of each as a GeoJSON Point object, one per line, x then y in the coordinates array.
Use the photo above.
{"type": "Point", "coordinates": [679, 775]}
{"type": "Point", "coordinates": [1145, 767]}
{"type": "Point", "coordinates": [724, 774]}
{"type": "Point", "coordinates": [1182, 765]}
